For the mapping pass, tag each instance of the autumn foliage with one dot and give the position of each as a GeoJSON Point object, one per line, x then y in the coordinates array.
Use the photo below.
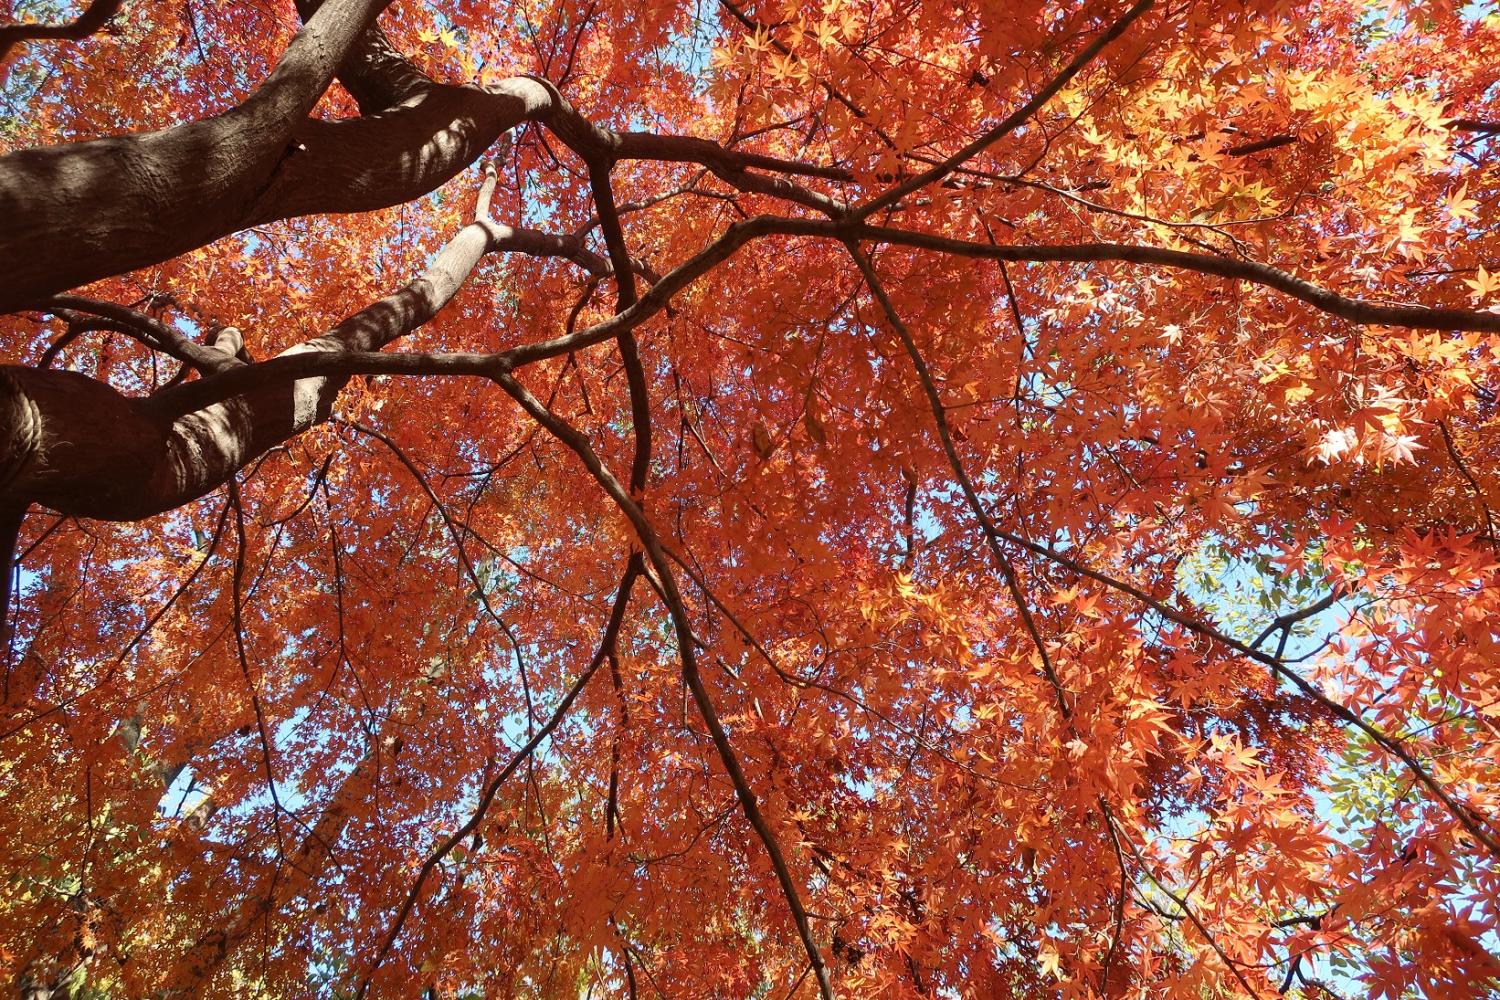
{"type": "Point", "coordinates": [562, 498]}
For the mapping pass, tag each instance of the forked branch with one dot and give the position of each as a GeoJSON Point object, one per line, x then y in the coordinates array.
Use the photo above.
{"type": "Point", "coordinates": [487, 797]}
{"type": "Point", "coordinates": [1476, 825]}
{"type": "Point", "coordinates": [686, 645]}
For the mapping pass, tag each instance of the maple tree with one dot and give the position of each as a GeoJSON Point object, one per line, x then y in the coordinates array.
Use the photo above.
{"type": "Point", "coordinates": [574, 498]}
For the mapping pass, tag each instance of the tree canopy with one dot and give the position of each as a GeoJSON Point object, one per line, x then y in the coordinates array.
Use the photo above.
{"type": "Point", "coordinates": [738, 498]}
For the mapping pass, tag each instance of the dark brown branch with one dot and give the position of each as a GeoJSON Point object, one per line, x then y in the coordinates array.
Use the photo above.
{"type": "Point", "coordinates": [691, 149]}
{"type": "Point", "coordinates": [91, 20]}
{"type": "Point", "coordinates": [1120, 894]}
{"type": "Point", "coordinates": [1360, 311]}
{"type": "Point", "coordinates": [1284, 623]}
{"type": "Point", "coordinates": [150, 331]}
{"type": "Point", "coordinates": [10, 530]}
{"type": "Point", "coordinates": [1012, 121]}
{"type": "Point", "coordinates": [1260, 146]}
{"type": "Point", "coordinates": [1463, 470]}
{"type": "Point", "coordinates": [945, 436]}
{"type": "Point", "coordinates": [635, 376]}
{"type": "Point", "coordinates": [686, 643]}
{"type": "Point", "coordinates": [227, 384]}
{"type": "Point", "coordinates": [85, 210]}
{"type": "Point", "coordinates": [611, 630]}
{"type": "Point", "coordinates": [1481, 126]}
{"type": "Point", "coordinates": [103, 455]}
{"type": "Point", "coordinates": [598, 145]}
{"type": "Point", "coordinates": [1475, 125]}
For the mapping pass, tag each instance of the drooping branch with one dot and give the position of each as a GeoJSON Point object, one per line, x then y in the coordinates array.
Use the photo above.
{"type": "Point", "coordinates": [686, 646]}
{"type": "Point", "coordinates": [945, 436]}
{"type": "Point", "coordinates": [635, 376]}
{"type": "Point", "coordinates": [606, 645]}
{"type": "Point", "coordinates": [1468, 475]}
{"type": "Point", "coordinates": [454, 534]}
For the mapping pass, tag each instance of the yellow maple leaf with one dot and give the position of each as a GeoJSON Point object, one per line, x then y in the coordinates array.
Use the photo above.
{"type": "Point", "coordinates": [1483, 283]}
{"type": "Point", "coordinates": [1460, 206]}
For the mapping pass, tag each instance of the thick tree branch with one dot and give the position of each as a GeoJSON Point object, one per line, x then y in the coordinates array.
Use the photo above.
{"type": "Point", "coordinates": [84, 210]}
{"type": "Point", "coordinates": [376, 74]}
{"type": "Point", "coordinates": [88, 210]}
{"type": "Point", "coordinates": [91, 20]}
{"type": "Point", "coordinates": [100, 454]}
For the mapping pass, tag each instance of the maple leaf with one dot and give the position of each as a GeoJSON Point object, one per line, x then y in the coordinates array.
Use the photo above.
{"type": "Point", "coordinates": [1483, 283]}
{"type": "Point", "coordinates": [1461, 207]}
{"type": "Point", "coordinates": [1050, 962]}
{"type": "Point", "coordinates": [1401, 447]}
